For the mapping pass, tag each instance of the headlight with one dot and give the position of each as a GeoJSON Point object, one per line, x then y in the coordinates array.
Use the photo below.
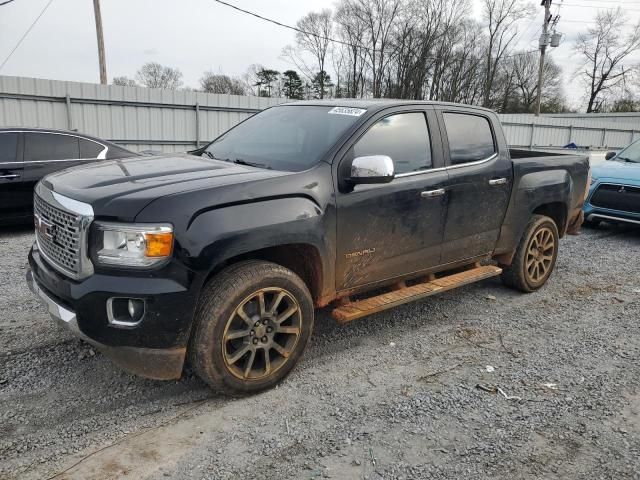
{"type": "Point", "coordinates": [133, 245]}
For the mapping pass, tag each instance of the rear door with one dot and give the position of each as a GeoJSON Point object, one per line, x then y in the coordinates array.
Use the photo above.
{"type": "Point", "coordinates": [15, 194]}
{"type": "Point", "coordinates": [48, 152]}
{"type": "Point", "coordinates": [479, 183]}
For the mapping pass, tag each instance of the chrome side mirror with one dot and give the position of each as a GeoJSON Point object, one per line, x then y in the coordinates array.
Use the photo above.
{"type": "Point", "coordinates": [372, 169]}
{"type": "Point", "coordinates": [610, 155]}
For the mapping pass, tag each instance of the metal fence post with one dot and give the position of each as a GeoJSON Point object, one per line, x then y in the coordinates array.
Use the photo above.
{"type": "Point", "coordinates": [570, 134]}
{"type": "Point", "coordinates": [67, 100]}
{"type": "Point", "coordinates": [197, 125]}
{"type": "Point", "coordinates": [533, 132]}
{"type": "Point", "coordinates": [604, 137]}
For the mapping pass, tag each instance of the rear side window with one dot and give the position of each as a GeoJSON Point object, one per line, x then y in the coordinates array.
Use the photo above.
{"type": "Point", "coordinates": [89, 149]}
{"type": "Point", "coordinates": [470, 137]}
{"type": "Point", "coordinates": [47, 146]}
{"type": "Point", "coordinates": [8, 147]}
{"type": "Point", "coordinates": [404, 137]}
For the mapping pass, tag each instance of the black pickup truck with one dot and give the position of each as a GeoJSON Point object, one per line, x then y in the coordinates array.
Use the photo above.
{"type": "Point", "coordinates": [222, 255]}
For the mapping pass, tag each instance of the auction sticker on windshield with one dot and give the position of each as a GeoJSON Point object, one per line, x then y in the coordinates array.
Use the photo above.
{"type": "Point", "coordinates": [354, 112]}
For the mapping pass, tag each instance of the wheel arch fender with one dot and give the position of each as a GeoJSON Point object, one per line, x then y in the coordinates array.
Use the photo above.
{"type": "Point", "coordinates": [288, 231]}
{"type": "Point", "coordinates": [546, 192]}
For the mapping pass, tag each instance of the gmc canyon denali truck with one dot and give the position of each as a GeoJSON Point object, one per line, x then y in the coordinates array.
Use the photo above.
{"type": "Point", "coordinates": [221, 256]}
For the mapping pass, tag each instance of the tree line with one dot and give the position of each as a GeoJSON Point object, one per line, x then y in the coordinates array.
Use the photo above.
{"type": "Point", "coordinates": [433, 50]}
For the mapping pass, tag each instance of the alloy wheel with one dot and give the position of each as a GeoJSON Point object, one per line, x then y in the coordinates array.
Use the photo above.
{"type": "Point", "coordinates": [261, 333]}
{"type": "Point", "coordinates": [540, 254]}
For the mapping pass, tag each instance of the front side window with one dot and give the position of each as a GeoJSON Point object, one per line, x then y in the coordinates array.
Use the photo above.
{"type": "Point", "coordinates": [470, 137]}
{"type": "Point", "coordinates": [48, 146]}
{"type": "Point", "coordinates": [291, 138]}
{"type": "Point", "coordinates": [404, 137]}
{"type": "Point", "coordinates": [8, 147]}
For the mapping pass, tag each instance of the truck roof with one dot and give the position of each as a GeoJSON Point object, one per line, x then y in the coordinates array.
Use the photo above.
{"type": "Point", "coordinates": [378, 103]}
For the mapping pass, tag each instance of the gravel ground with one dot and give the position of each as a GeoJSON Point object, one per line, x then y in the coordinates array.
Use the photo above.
{"type": "Point", "coordinates": [389, 396]}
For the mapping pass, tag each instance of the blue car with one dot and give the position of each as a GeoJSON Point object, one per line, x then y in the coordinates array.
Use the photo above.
{"type": "Point", "coordinates": [614, 194]}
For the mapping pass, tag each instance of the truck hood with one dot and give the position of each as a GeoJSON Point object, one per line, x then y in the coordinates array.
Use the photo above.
{"type": "Point", "coordinates": [122, 188]}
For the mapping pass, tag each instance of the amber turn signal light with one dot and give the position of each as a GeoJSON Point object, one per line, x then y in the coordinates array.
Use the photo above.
{"type": "Point", "coordinates": [159, 244]}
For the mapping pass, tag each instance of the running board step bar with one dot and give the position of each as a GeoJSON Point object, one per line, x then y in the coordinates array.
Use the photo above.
{"type": "Point", "coordinates": [361, 308]}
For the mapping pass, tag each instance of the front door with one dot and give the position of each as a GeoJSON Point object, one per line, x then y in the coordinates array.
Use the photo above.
{"type": "Point", "coordinates": [388, 230]}
{"type": "Point", "coordinates": [15, 194]}
{"type": "Point", "coordinates": [478, 188]}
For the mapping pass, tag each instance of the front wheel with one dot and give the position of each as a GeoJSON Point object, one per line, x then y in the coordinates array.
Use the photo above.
{"type": "Point", "coordinates": [253, 322]}
{"type": "Point", "coordinates": [535, 256]}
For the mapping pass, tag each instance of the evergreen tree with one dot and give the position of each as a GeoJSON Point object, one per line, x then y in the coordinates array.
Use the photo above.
{"type": "Point", "coordinates": [321, 84]}
{"type": "Point", "coordinates": [293, 85]}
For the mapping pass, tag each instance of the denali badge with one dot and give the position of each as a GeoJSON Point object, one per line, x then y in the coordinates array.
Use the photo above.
{"type": "Point", "coordinates": [45, 228]}
{"type": "Point", "coordinates": [361, 253]}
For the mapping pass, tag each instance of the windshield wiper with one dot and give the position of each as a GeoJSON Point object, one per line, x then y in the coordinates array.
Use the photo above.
{"type": "Point", "coordinates": [628, 160]}
{"type": "Point", "coordinates": [240, 161]}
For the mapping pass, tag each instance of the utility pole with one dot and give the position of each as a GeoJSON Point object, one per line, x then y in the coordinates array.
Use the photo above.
{"type": "Point", "coordinates": [101, 57]}
{"type": "Point", "coordinates": [544, 41]}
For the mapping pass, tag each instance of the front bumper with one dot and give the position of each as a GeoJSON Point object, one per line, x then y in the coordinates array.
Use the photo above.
{"type": "Point", "coordinates": [154, 349]}
{"type": "Point", "coordinates": [595, 213]}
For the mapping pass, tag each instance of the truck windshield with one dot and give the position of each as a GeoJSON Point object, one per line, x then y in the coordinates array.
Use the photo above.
{"type": "Point", "coordinates": [630, 154]}
{"type": "Point", "coordinates": [291, 138]}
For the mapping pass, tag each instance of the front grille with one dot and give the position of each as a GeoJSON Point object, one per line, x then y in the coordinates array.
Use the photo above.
{"type": "Point", "coordinates": [617, 197]}
{"type": "Point", "coordinates": [58, 235]}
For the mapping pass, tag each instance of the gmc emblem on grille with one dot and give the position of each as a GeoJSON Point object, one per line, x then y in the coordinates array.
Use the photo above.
{"type": "Point", "coordinates": [45, 228]}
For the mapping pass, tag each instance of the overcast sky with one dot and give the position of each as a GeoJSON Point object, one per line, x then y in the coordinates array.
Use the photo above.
{"type": "Point", "coordinates": [199, 35]}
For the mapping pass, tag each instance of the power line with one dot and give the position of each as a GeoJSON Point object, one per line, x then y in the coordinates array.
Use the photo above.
{"type": "Point", "coordinates": [598, 6]}
{"type": "Point", "coordinates": [519, 53]}
{"type": "Point", "coordinates": [615, 2]}
{"type": "Point", "coordinates": [25, 34]}
{"type": "Point", "coordinates": [284, 25]}
{"type": "Point", "coordinates": [4, 3]}
{"type": "Point", "coordinates": [296, 29]}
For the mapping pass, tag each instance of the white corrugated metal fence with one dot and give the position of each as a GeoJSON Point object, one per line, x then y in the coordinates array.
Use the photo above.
{"type": "Point", "coordinates": [177, 120]}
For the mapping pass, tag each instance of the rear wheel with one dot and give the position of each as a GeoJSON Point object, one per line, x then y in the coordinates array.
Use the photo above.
{"type": "Point", "coordinates": [535, 256]}
{"type": "Point", "coordinates": [253, 322]}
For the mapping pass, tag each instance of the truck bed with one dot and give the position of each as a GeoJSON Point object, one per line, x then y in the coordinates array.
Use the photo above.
{"type": "Point", "coordinates": [517, 153]}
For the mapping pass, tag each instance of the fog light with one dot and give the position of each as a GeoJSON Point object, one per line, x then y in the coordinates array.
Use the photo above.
{"type": "Point", "coordinates": [125, 312]}
{"type": "Point", "coordinates": [135, 307]}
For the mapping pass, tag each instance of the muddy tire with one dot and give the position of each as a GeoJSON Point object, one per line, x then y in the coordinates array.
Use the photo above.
{"type": "Point", "coordinates": [252, 323]}
{"type": "Point", "coordinates": [535, 256]}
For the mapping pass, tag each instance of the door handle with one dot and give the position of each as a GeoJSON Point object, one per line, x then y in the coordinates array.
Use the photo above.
{"type": "Point", "coordinates": [433, 193]}
{"type": "Point", "coordinates": [498, 181]}
{"type": "Point", "coordinates": [9, 176]}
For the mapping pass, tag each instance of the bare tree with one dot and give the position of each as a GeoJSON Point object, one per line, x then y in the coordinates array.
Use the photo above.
{"type": "Point", "coordinates": [524, 68]}
{"type": "Point", "coordinates": [379, 19]}
{"type": "Point", "coordinates": [314, 38]}
{"type": "Point", "coordinates": [217, 83]}
{"type": "Point", "coordinates": [351, 31]}
{"type": "Point", "coordinates": [500, 17]}
{"type": "Point", "coordinates": [605, 49]}
{"type": "Point", "coordinates": [154, 75]}
{"type": "Point", "coordinates": [124, 81]}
